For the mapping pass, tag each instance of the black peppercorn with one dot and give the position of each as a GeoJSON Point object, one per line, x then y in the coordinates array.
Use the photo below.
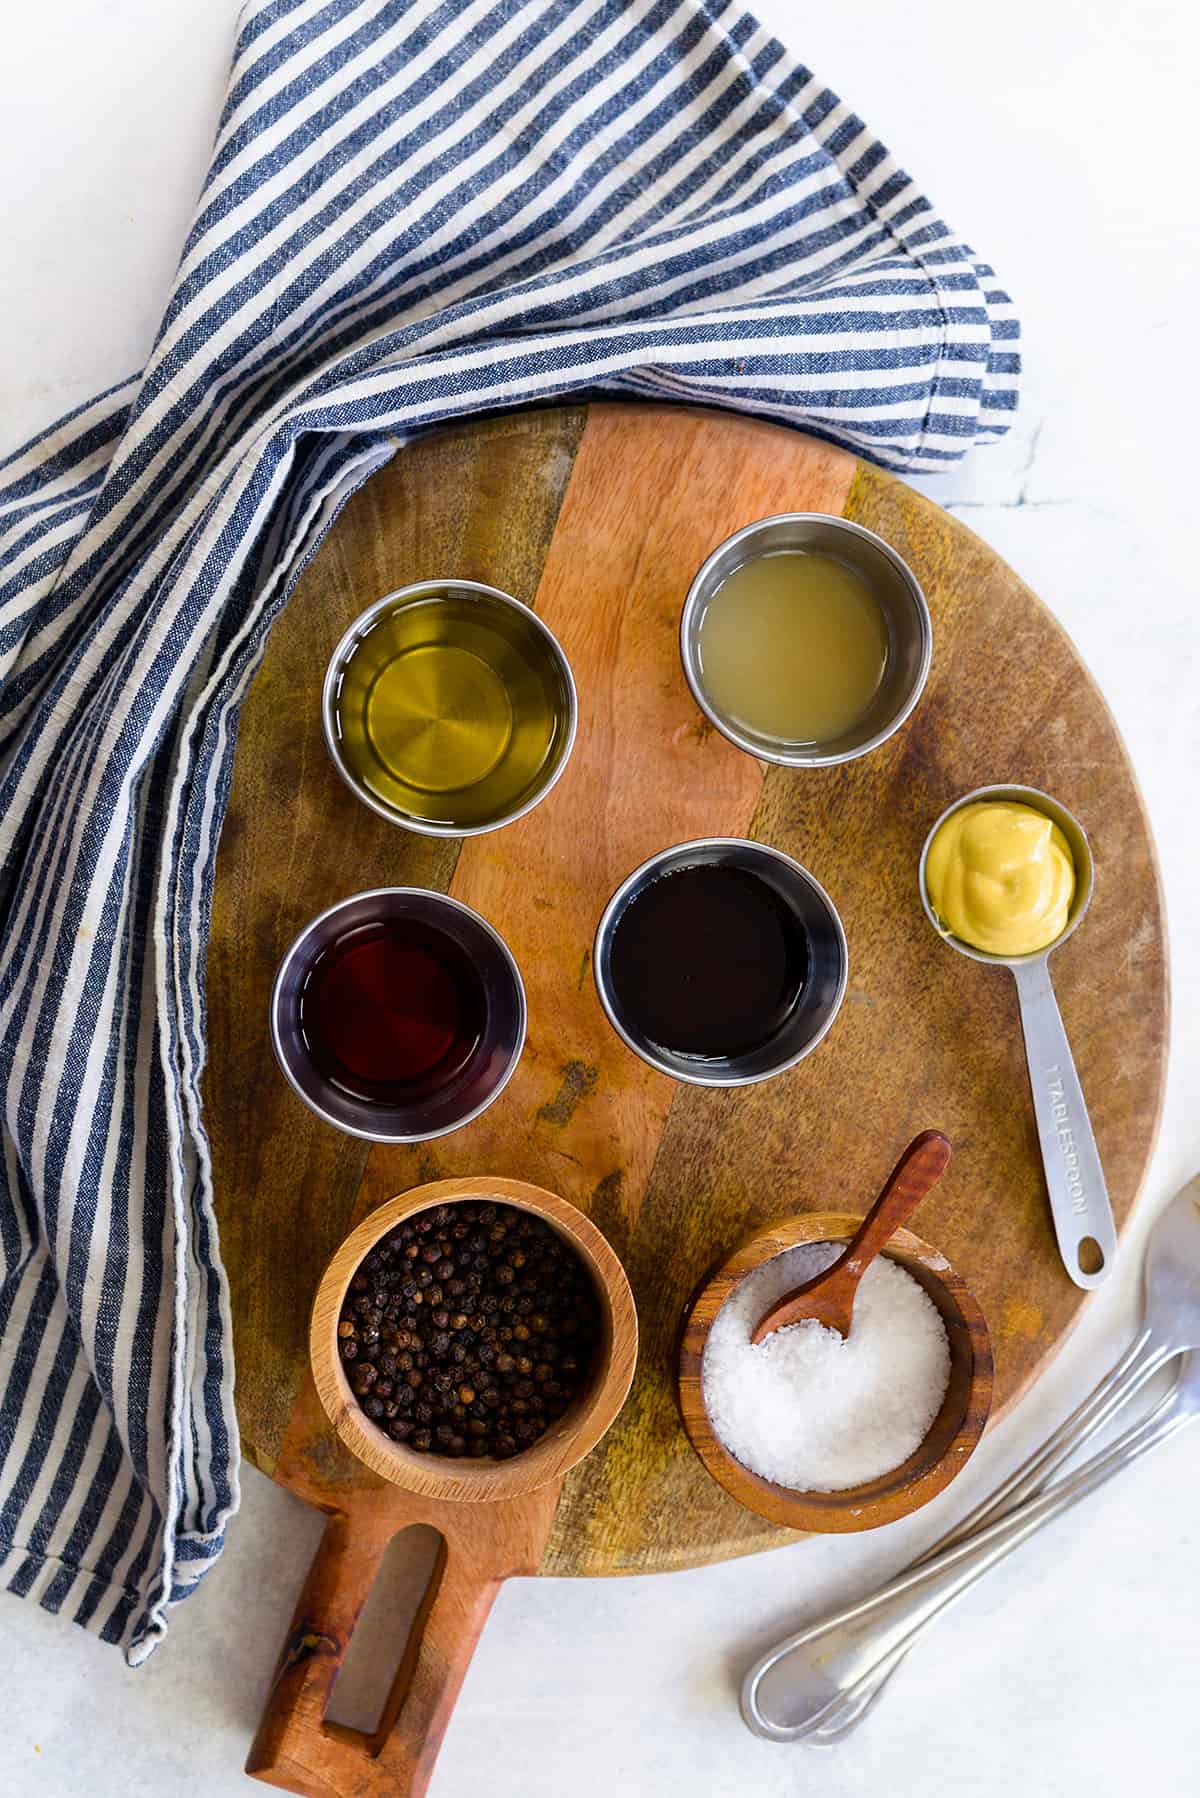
{"type": "Point", "coordinates": [453, 1330]}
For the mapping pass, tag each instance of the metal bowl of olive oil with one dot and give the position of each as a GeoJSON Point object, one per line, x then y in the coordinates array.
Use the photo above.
{"type": "Point", "coordinates": [450, 708]}
{"type": "Point", "coordinates": [806, 640]}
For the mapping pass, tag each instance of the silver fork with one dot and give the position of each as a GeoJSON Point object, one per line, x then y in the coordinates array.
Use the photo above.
{"type": "Point", "coordinates": [1170, 1325]}
{"type": "Point", "coordinates": [842, 1660]}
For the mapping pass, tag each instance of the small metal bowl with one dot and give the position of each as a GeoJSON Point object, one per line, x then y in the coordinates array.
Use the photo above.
{"type": "Point", "coordinates": [473, 1088]}
{"type": "Point", "coordinates": [546, 659]}
{"type": "Point", "coordinates": [820, 997]}
{"type": "Point", "coordinates": [894, 585]}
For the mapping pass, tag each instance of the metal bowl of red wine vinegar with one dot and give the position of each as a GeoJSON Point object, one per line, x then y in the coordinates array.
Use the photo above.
{"type": "Point", "coordinates": [398, 1015]}
{"type": "Point", "coordinates": [720, 962]}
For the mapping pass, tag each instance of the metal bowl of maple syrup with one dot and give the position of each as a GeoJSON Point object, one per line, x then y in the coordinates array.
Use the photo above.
{"type": "Point", "coordinates": [721, 962]}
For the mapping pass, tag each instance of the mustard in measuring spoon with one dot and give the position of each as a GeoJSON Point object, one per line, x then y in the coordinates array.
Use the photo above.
{"type": "Point", "coordinates": [1001, 877]}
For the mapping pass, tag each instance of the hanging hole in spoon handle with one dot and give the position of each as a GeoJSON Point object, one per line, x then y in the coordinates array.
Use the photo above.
{"type": "Point", "coordinates": [1079, 1203]}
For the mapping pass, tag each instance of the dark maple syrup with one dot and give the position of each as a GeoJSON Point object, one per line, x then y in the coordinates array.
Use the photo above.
{"type": "Point", "coordinates": [708, 961]}
{"type": "Point", "coordinates": [392, 1011]}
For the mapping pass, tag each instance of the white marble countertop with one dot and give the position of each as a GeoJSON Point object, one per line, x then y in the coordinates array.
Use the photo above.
{"type": "Point", "coordinates": [1059, 136]}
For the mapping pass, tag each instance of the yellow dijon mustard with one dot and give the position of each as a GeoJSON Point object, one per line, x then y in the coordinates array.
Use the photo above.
{"type": "Point", "coordinates": [1001, 877]}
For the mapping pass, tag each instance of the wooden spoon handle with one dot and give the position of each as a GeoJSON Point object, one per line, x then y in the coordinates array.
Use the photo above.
{"type": "Point", "coordinates": [482, 1545]}
{"type": "Point", "coordinates": [918, 1170]}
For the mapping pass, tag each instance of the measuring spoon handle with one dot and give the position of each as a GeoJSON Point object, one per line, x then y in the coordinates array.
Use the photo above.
{"type": "Point", "coordinates": [1079, 1204]}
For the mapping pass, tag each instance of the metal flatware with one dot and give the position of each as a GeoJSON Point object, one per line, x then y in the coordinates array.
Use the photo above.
{"type": "Point", "coordinates": [843, 1654]}
{"type": "Point", "coordinates": [1170, 1325]}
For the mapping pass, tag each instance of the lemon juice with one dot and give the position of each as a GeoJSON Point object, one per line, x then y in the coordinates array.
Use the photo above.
{"type": "Point", "coordinates": [793, 646]}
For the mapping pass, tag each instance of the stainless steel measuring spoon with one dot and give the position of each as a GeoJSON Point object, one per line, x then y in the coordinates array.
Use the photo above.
{"type": "Point", "coordinates": [1079, 1204]}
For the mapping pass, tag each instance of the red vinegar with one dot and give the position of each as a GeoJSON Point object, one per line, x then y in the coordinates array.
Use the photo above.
{"type": "Point", "coordinates": [392, 1011]}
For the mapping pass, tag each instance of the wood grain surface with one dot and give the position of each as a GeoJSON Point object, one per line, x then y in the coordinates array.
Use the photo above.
{"type": "Point", "coordinates": [600, 517]}
{"type": "Point", "coordinates": [294, 1747]}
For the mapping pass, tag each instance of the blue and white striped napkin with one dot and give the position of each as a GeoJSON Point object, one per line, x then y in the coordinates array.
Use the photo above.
{"type": "Point", "coordinates": [415, 210]}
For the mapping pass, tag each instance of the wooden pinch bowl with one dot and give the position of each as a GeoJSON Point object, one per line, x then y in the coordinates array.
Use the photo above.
{"type": "Point", "coordinates": [494, 1519]}
{"type": "Point", "coordinates": [567, 1441]}
{"type": "Point", "coordinates": [951, 1439]}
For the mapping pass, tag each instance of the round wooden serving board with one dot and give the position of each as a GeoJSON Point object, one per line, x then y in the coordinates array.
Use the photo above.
{"type": "Point", "coordinates": [599, 517]}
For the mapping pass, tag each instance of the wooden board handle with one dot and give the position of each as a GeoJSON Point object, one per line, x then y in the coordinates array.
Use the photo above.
{"type": "Point", "coordinates": [482, 1545]}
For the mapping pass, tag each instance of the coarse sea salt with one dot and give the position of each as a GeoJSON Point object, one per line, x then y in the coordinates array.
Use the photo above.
{"type": "Point", "coordinates": [810, 1410]}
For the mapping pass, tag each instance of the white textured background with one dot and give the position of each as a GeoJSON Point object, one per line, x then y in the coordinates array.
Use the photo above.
{"type": "Point", "coordinates": [1058, 134]}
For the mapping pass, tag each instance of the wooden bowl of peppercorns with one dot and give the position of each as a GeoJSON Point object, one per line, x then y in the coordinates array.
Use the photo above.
{"type": "Point", "coordinates": [472, 1339]}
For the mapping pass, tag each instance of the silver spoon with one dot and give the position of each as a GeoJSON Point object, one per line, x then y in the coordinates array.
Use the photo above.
{"type": "Point", "coordinates": [869, 1639]}
{"type": "Point", "coordinates": [1079, 1205]}
{"type": "Point", "coordinates": [833, 1648]}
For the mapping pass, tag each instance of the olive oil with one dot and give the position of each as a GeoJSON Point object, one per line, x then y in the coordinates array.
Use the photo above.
{"type": "Point", "coordinates": [793, 646]}
{"type": "Point", "coordinates": [452, 709]}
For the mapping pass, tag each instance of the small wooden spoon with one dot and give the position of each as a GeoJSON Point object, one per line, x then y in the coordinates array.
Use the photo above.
{"type": "Point", "coordinates": [830, 1296]}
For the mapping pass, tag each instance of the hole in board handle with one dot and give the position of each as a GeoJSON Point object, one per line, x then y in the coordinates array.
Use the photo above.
{"type": "Point", "coordinates": [387, 1636]}
{"type": "Point", "coordinates": [1090, 1256]}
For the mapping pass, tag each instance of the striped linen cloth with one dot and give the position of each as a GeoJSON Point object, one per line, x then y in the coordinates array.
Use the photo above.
{"type": "Point", "coordinates": [415, 210]}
